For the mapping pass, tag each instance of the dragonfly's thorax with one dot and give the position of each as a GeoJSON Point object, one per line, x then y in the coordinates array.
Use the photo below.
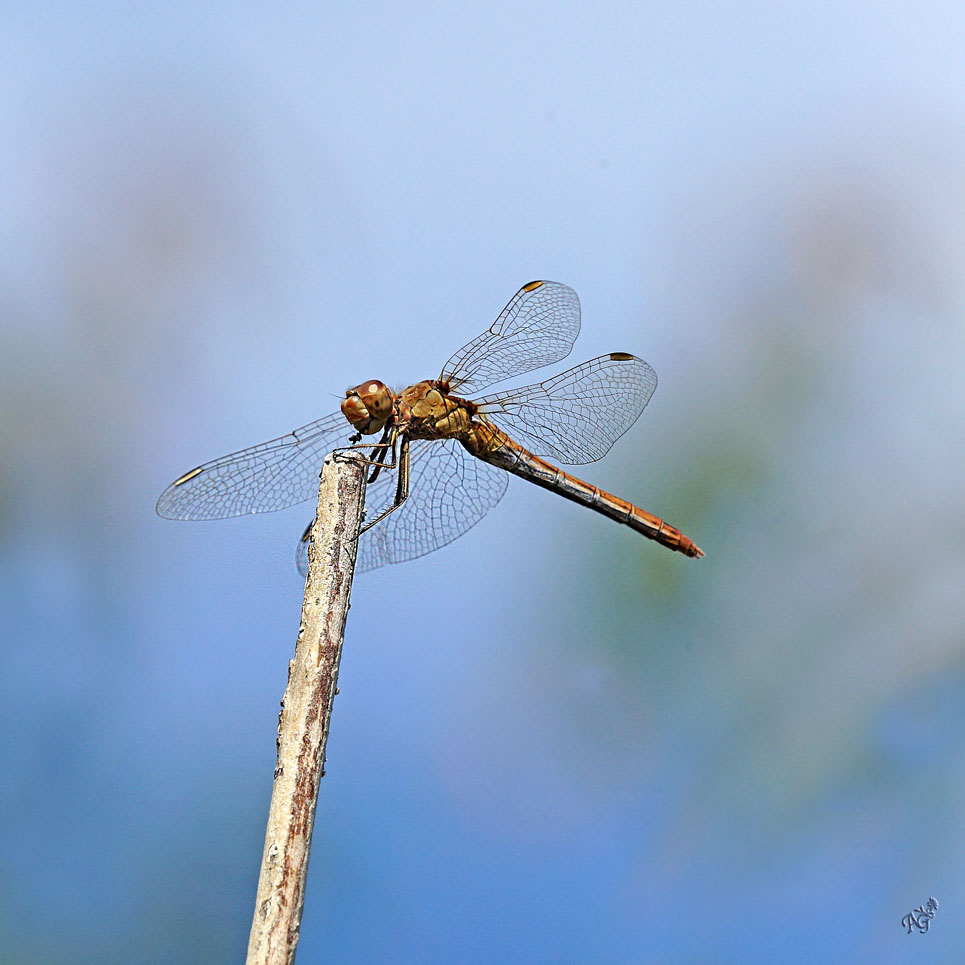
{"type": "Point", "coordinates": [427, 411]}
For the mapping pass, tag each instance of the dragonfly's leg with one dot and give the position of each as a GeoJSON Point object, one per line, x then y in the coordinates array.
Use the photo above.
{"type": "Point", "coordinates": [401, 489]}
{"type": "Point", "coordinates": [401, 459]}
{"type": "Point", "coordinates": [373, 460]}
{"type": "Point", "coordinates": [389, 437]}
{"type": "Point", "coordinates": [378, 450]}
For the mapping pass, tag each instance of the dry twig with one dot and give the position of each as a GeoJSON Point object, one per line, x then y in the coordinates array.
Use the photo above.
{"type": "Point", "coordinates": [305, 714]}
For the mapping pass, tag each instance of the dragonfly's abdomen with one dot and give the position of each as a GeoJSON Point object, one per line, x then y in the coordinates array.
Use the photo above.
{"type": "Point", "coordinates": [487, 442]}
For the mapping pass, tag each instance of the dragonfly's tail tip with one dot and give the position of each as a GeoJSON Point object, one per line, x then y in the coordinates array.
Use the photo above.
{"type": "Point", "coordinates": [691, 549]}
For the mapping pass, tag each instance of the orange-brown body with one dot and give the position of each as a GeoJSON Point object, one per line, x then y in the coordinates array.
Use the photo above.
{"type": "Point", "coordinates": [575, 416]}
{"type": "Point", "coordinates": [426, 410]}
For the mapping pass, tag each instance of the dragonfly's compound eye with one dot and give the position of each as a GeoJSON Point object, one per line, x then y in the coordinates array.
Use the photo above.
{"type": "Point", "coordinates": [368, 406]}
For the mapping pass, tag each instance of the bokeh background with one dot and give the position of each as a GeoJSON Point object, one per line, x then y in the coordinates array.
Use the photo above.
{"type": "Point", "coordinates": [555, 741]}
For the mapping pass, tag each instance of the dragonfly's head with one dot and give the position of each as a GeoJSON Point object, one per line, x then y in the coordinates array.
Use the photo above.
{"type": "Point", "coordinates": [368, 406]}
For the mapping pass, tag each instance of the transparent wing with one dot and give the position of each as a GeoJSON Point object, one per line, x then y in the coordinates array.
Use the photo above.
{"type": "Point", "coordinates": [538, 327]}
{"type": "Point", "coordinates": [577, 416]}
{"type": "Point", "coordinates": [449, 492]}
{"type": "Point", "coordinates": [259, 479]}
{"type": "Point", "coordinates": [301, 551]}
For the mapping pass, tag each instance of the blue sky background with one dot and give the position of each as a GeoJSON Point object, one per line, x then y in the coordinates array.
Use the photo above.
{"type": "Point", "coordinates": [555, 741]}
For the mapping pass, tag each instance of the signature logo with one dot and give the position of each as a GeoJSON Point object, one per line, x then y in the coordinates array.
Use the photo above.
{"type": "Point", "coordinates": [921, 917]}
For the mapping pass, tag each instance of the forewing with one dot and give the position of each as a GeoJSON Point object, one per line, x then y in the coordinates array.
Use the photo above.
{"type": "Point", "coordinates": [575, 417]}
{"type": "Point", "coordinates": [538, 327]}
{"type": "Point", "coordinates": [260, 479]}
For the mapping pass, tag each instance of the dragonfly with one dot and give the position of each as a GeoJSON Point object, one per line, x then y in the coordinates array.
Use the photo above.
{"type": "Point", "coordinates": [442, 460]}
